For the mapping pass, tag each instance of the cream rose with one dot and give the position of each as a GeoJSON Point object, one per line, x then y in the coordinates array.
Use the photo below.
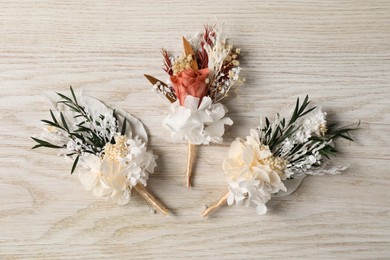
{"type": "Point", "coordinates": [251, 179]}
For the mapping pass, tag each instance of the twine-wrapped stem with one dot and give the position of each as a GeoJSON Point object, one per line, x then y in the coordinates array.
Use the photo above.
{"type": "Point", "coordinates": [151, 199]}
{"type": "Point", "coordinates": [216, 205]}
{"type": "Point", "coordinates": [190, 162]}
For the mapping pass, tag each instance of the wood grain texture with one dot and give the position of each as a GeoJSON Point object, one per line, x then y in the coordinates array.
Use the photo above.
{"type": "Point", "coordinates": [336, 51]}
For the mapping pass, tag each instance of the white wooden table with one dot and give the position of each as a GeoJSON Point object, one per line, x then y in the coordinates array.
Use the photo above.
{"type": "Point", "coordinates": [338, 52]}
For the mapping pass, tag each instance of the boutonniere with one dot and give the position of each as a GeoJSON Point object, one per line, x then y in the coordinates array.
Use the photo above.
{"type": "Point", "coordinates": [276, 155]}
{"type": "Point", "coordinates": [108, 147]}
{"type": "Point", "coordinates": [204, 74]}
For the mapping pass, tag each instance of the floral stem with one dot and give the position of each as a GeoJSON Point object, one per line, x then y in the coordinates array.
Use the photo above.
{"type": "Point", "coordinates": [190, 162]}
{"type": "Point", "coordinates": [151, 199]}
{"type": "Point", "coordinates": [216, 205]}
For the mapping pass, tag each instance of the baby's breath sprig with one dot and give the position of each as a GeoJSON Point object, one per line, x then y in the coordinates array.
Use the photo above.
{"type": "Point", "coordinates": [87, 134]}
{"type": "Point", "coordinates": [282, 128]}
{"type": "Point", "coordinates": [293, 138]}
{"type": "Point", "coordinates": [81, 137]}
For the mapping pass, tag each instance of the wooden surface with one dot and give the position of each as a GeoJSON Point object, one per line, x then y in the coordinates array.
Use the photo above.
{"type": "Point", "coordinates": [336, 51]}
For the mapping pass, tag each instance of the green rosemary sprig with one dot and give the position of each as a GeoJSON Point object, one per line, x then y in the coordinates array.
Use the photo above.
{"type": "Point", "coordinates": [273, 134]}
{"type": "Point", "coordinates": [332, 133]}
{"type": "Point", "coordinates": [42, 143]}
{"type": "Point", "coordinates": [91, 141]}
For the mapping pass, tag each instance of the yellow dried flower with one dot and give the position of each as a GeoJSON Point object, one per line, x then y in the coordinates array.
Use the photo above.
{"type": "Point", "coordinates": [117, 150]}
{"type": "Point", "coordinates": [277, 164]}
{"type": "Point", "coordinates": [181, 63]}
{"type": "Point", "coordinates": [323, 129]}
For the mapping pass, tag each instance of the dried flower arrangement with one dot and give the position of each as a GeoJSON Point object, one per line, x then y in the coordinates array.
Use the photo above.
{"type": "Point", "coordinates": [203, 75]}
{"type": "Point", "coordinates": [294, 145]}
{"type": "Point", "coordinates": [109, 145]}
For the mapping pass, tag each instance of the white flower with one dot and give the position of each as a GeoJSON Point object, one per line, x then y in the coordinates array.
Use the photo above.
{"type": "Point", "coordinates": [92, 175]}
{"type": "Point", "coordinates": [140, 162]}
{"type": "Point", "coordinates": [312, 124]}
{"type": "Point", "coordinates": [125, 164]}
{"type": "Point", "coordinates": [251, 178]}
{"type": "Point", "coordinates": [197, 123]}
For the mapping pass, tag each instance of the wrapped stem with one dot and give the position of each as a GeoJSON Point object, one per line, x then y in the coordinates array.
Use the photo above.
{"type": "Point", "coordinates": [151, 199]}
{"type": "Point", "coordinates": [190, 162]}
{"type": "Point", "coordinates": [216, 205]}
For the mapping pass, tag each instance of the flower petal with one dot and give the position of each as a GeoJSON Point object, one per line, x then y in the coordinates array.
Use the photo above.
{"type": "Point", "coordinates": [261, 209]}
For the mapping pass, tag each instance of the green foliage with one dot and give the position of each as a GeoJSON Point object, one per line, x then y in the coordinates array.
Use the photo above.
{"type": "Point", "coordinates": [92, 141]}
{"type": "Point", "coordinates": [42, 143]}
{"type": "Point", "coordinates": [333, 133]}
{"type": "Point", "coordinates": [273, 134]}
